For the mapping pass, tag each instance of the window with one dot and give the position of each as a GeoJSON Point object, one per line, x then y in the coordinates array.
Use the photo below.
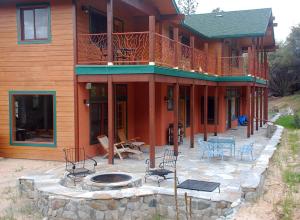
{"type": "Point", "coordinates": [98, 112]}
{"type": "Point", "coordinates": [210, 110]}
{"type": "Point", "coordinates": [170, 98]}
{"type": "Point", "coordinates": [32, 118]}
{"type": "Point", "coordinates": [34, 23]}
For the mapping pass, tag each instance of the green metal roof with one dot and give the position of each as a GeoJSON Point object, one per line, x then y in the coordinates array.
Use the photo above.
{"type": "Point", "coordinates": [232, 24]}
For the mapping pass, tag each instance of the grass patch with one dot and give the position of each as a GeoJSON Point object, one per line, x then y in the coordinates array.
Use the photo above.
{"type": "Point", "coordinates": [291, 178]}
{"type": "Point", "coordinates": [287, 208]}
{"type": "Point", "coordinates": [287, 121]}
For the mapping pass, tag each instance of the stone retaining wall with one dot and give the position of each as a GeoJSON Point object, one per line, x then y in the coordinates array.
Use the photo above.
{"type": "Point", "coordinates": [136, 207]}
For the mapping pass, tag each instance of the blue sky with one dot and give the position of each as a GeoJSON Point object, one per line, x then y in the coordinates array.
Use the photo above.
{"type": "Point", "coordinates": [286, 12]}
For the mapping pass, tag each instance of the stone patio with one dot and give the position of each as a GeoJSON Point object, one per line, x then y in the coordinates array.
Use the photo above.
{"type": "Point", "coordinates": [240, 179]}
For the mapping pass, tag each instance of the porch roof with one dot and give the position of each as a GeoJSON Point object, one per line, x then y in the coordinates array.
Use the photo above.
{"type": "Point", "coordinates": [159, 70]}
{"type": "Point", "coordinates": [232, 24]}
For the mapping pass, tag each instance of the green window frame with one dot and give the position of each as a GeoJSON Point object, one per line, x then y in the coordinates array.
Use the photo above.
{"type": "Point", "coordinates": [11, 120]}
{"type": "Point", "coordinates": [22, 6]}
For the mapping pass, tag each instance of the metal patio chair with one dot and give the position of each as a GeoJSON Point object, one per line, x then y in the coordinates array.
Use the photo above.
{"type": "Point", "coordinates": [211, 149]}
{"type": "Point", "coordinates": [165, 167]}
{"type": "Point", "coordinates": [132, 143]}
{"type": "Point", "coordinates": [247, 149]}
{"type": "Point", "coordinates": [76, 169]}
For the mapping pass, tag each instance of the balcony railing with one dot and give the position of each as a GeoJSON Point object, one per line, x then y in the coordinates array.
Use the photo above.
{"type": "Point", "coordinates": [133, 48]}
{"type": "Point", "coordinates": [235, 66]}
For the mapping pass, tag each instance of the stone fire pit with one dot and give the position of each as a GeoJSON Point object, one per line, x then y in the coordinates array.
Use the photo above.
{"type": "Point", "coordinates": [111, 181]}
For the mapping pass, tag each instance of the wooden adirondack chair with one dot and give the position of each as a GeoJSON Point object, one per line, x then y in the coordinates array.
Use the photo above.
{"type": "Point", "coordinates": [132, 143]}
{"type": "Point", "coordinates": [118, 147]}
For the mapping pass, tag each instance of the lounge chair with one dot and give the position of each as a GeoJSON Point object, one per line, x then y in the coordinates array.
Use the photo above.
{"type": "Point", "coordinates": [163, 170]}
{"type": "Point", "coordinates": [103, 140]}
{"type": "Point", "coordinates": [132, 143]}
{"type": "Point", "coordinates": [76, 169]}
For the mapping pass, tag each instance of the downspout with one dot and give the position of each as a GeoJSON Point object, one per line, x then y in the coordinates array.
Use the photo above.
{"type": "Point", "coordinates": [75, 80]}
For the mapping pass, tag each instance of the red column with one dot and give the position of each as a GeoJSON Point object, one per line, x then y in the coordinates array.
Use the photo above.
{"type": "Point", "coordinates": [252, 109]}
{"type": "Point", "coordinates": [110, 103]}
{"type": "Point", "coordinates": [256, 106]}
{"type": "Point", "coordinates": [192, 110]}
{"type": "Point", "coordinates": [216, 111]}
{"type": "Point", "coordinates": [176, 106]}
{"type": "Point", "coordinates": [152, 121]}
{"type": "Point", "coordinates": [192, 45]}
{"type": "Point", "coordinates": [266, 105]}
{"type": "Point", "coordinates": [110, 16]}
{"type": "Point", "coordinates": [205, 112]}
{"type": "Point", "coordinates": [261, 107]}
{"type": "Point", "coordinates": [176, 52]}
{"type": "Point", "coordinates": [248, 104]}
{"type": "Point", "coordinates": [151, 39]}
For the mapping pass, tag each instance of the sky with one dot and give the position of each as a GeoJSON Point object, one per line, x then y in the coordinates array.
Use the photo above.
{"type": "Point", "coordinates": [286, 12]}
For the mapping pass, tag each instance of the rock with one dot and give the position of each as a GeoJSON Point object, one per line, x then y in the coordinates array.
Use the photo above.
{"type": "Point", "coordinates": [58, 203]}
{"type": "Point", "coordinates": [100, 206]}
{"type": "Point", "coordinates": [112, 204]}
{"type": "Point", "coordinates": [111, 215]}
{"type": "Point", "coordinates": [99, 215]}
{"type": "Point", "coordinates": [69, 215]}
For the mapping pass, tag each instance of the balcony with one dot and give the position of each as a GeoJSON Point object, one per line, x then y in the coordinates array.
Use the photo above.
{"type": "Point", "coordinates": [135, 48]}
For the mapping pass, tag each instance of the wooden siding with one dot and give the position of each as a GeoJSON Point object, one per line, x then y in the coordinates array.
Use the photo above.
{"type": "Point", "coordinates": [40, 67]}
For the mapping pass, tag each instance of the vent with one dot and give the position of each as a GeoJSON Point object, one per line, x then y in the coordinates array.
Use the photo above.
{"type": "Point", "coordinates": [219, 15]}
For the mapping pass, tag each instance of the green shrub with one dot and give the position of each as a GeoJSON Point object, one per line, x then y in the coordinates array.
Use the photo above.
{"type": "Point", "coordinates": [297, 121]}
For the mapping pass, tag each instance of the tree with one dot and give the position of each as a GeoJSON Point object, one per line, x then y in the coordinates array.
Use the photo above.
{"type": "Point", "coordinates": [217, 10]}
{"type": "Point", "coordinates": [188, 7]}
{"type": "Point", "coordinates": [285, 65]}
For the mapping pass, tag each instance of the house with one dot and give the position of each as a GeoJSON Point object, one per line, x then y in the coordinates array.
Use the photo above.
{"type": "Point", "coordinates": [71, 70]}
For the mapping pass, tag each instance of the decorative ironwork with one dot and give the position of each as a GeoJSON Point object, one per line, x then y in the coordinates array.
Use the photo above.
{"type": "Point", "coordinates": [200, 61]}
{"type": "Point", "coordinates": [164, 50]}
{"type": "Point", "coordinates": [184, 57]}
{"type": "Point", "coordinates": [131, 47]}
{"type": "Point", "coordinates": [92, 49]}
{"type": "Point", "coordinates": [234, 66]}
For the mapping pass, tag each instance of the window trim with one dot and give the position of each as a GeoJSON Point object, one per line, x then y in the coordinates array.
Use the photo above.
{"type": "Point", "coordinates": [19, 20]}
{"type": "Point", "coordinates": [31, 144]}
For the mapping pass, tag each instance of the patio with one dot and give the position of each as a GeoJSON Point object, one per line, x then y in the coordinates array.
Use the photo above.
{"type": "Point", "coordinates": [239, 179]}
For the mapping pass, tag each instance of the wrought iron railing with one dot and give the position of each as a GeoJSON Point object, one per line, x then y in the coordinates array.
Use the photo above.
{"type": "Point", "coordinates": [185, 57]}
{"type": "Point", "coordinates": [131, 48]}
{"type": "Point", "coordinates": [234, 66]}
{"type": "Point", "coordinates": [200, 61]}
{"type": "Point", "coordinates": [164, 54]}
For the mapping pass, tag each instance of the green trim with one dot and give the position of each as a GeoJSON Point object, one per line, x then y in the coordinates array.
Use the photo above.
{"type": "Point", "coordinates": [152, 69]}
{"type": "Point", "coordinates": [18, 14]}
{"type": "Point", "coordinates": [12, 143]}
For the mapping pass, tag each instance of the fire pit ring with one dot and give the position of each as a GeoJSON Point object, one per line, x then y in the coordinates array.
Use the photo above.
{"type": "Point", "coordinates": [111, 181]}
{"type": "Point", "coordinates": [111, 178]}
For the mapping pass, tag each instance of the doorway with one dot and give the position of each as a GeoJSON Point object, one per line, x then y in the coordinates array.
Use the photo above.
{"type": "Point", "coordinates": [229, 113]}
{"type": "Point", "coordinates": [121, 109]}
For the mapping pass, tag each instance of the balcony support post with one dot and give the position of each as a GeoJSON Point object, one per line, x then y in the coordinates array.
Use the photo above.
{"type": "Point", "coordinates": [256, 108]}
{"type": "Point", "coordinates": [152, 121]}
{"type": "Point", "coordinates": [176, 111]}
{"type": "Point", "coordinates": [192, 111]}
{"type": "Point", "coordinates": [176, 52]}
{"type": "Point", "coordinates": [110, 15]}
{"type": "Point", "coordinates": [265, 105]}
{"type": "Point", "coordinates": [261, 107]}
{"type": "Point", "coordinates": [192, 56]}
{"type": "Point", "coordinates": [152, 40]}
{"type": "Point", "coordinates": [249, 61]}
{"type": "Point", "coordinates": [216, 111]}
{"type": "Point", "coordinates": [248, 110]}
{"type": "Point", "coordinates": [252, 108]}
{"type": "Point", "coordinates": [110, 121]}
{"type": "Point", "coordinates": [205, 111]}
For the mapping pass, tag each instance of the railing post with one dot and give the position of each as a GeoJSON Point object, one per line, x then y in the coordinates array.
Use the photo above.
{"type": "Point", "coordinates": [206, 57]}
{"type": "Point", "coordinates": [265, 65]}
{"type": "Point", "coordinates": [253, 58]}
{"type": "Point", "coordinates": [151, 40]}
{"type": "Point", "coordinates": [192, 57]}
{"type": "Point", "coordinates": [110, 16]}
{"type": "Point", "coordinates": [249, 60]}
{"type": "Point", "coordinates": [176, 54]}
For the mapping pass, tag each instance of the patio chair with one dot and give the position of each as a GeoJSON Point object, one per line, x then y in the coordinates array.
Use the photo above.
{"type": "Point", "coordinates": [80, 168]}
{"type": "Point", "coordinates": [211, 149]}
{"type": "Point", "coordinates": [163, 170]}
{"type": "Point", "coordinates": [132, 143]}
{"type": "Point", "coordinates": [103, 140]}
{"type": "Point", "coordinates": [247, 149]}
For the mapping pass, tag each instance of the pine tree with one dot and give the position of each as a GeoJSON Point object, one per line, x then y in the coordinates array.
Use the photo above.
{"type": "Point", "coordinates": [188, 7]}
